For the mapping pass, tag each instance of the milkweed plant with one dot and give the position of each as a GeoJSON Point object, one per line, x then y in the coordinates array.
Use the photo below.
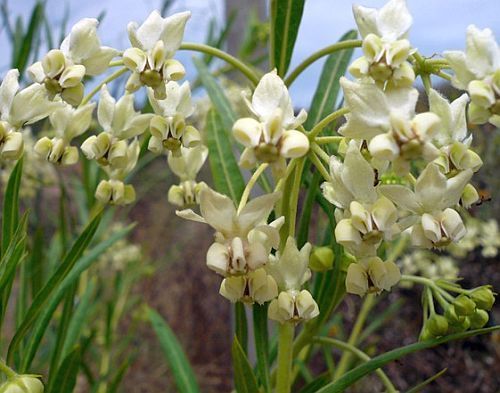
{"type": "Point", "coordinates": [386, 175]}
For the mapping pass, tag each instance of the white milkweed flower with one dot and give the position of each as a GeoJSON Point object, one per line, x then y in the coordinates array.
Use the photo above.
{"type": "Point", "coordinates": [17, 109]}
{"type": "Point", "coordinates": [274, 136]}
{"type": "Point", "coordinates": [477, 70]}
{"type": "Point", "coordinates": [453, 140]}
{"type": "Point", "coordinates": [371, 275]}
{"type": "Point", "coordinates": [387, 121]}
{"type": "Point", "coordinates": [114, 191]}
{"type": "Point", "coordinates": [364, 217]}
{"type": "Point", "coordinates": [243, 240]}
{"type": "Point", "coordinates": [290, 270]}
{"type": "Point", "coordinates": [62, 70]}
{"type": "Point", "coordinates": [67, 123]}
{"type": "Point", "coordinates": [385, 46]}
{"type": "Point", "coordinates": [255, 286]}
{"type": "Point", "coordinates": [120, 122]}
{"type": "Point", "coordinates": [433, 221]}
{"type": "Point", "coordinates": [168, 127]}
{"type": "Point", "coordinates": [154, 44]}
{"type": "Point", "coordinates": [186, 167]}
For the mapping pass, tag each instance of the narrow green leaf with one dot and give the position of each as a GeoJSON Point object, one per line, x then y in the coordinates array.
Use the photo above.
{"type": "Point", "coordinates": [261, 337]}
{"type": "Point", "coordinates": [83, 264]}
{"type": "Point", "coordinates": [118, 377]}
{"type": "Point", "coordinates": [65, 379]}
{"type": "Point", "coordinates": [21, 60]}
{"type": "Point", "coordinates": [286, 28]}
{"type": "Point", "coordinates": [216, 94]}
{"type": "Point", "coordinates": [225, 171]}
{"type": "Point", "coordinates": [355, 374]}
{"type": "Point", "coordinates": [327, 92]}
{"type": "Point", "coordinates": [183, 374]}
{"type": "Point", "coordinates": [10, 214]}
{"type": "Point", "coordinates": [244, 378]}
{"type": "Point", "coordinates": [76, 251]}
{"type": "Point", "coordinates": [317, 384]}
{"type": "Point", "coordinates": [418, 388]}
{"type": "Point", "coordinates": [305, 218]}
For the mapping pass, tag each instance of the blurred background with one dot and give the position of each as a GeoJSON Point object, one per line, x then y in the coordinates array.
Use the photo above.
{"type": "Point", "coordinates": [178, 285]}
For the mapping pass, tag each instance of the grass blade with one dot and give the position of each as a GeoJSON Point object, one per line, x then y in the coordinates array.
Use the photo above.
{"type": "Point", "coordinates": [67, 372]}
{"type": "Point", "coordinates": [244, 378]}
{"type": "Point", "coordinates": [423, 384]}
{"type": "Point", "coordinates": [11, 205]}
{"type": "Point", "coordinates": [179, 365]}
{"type": "Point", "coordinates": [261, 337]}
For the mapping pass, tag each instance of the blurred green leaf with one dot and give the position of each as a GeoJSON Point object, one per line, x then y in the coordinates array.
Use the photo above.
{"type": "Point", "coordinates": [65, 379]}
{"type": "Point", "coordinates": [288, 14]}
{"type": "Point", "coordinates": [244, 378]}
{"type": "Point", "coordinates": [355, 374]}
{"type": "Point", "coordinates": [40, 301]}
{"type": "Point", "coordinates": [10, 214]}
{"type": "Point", "coordinates": [184, 376]}
{"type": "Point", "coordinates": [225, 171]}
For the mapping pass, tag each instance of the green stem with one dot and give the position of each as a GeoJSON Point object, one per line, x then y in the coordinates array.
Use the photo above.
{"type": "Point", "coordinates": [319, 166]}
{"type": "Point", "coordinates": [443, 75]}
{"type": "Point", "coordinates": [320, 153]}
{"type": "Point", "coordinates": [250, 184]}
{"type": "Point", "coordinates": [96, 89]}
{"type": "Point", "coordinates": [318, 55]}
{"type": "Point", "coordinates": [285, 345]}
{"type": "Point", "coordinates": [323, 140]}
{"type": "Point", "coordinates": [273, 7]}
{"type": "Point", "coordinates": [294, 197]}
{"type": "Point", "coordinates": [239, 65]}
{"type": "Point", "coordinates": [353, 338]}
{"type": "Point", "coordinates": [289, 169]}
{"type": "Point", "coordinates": [360, 355]}
{"type": "Point", "coordinates": [325, 121]}
{"type": "Point", "coordinates": [115, 63]}
{"type": "Point", "coordinates": [9, 373]}
{"type": "Point", "coordinates": [423, 71]}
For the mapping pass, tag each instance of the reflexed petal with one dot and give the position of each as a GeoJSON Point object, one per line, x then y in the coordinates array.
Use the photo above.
{"type": "Point", "coordinates": [430, 187]}
{"type": "Point", "coordinates": [483, 54]}
{"type": "Point", "coordinates": [401, 196]}
{"type": "Point", "coordinates": [106, 109]}
{"type": "Point", "coordinates": [455, 187]}
{"type": "Point", "coordinates": [384, 214]}
{"type": "Point", "coordinates": [8, 89]}
{"type": "Point", "coordinates": [173, 31]}
{"type": "Point", "coordinates": [189, 214]}
{"type": "Point", "coordinates": [99, 61]}
{"type": "Point", "coordinates": [30, 105]}
{"type": "Point", "coordinates": [256, 211]}
{"type": "Point", "coordinates": [366, 19]}
{"type": "Point", "coordinates": [458, 63]}
{"type": "Point", "coordinates": [394, 20]}
{"type": "Point", "coordinates": [83, 40]}
{"type": "Point", "coordinates": [358, 175]}
{"type": "Point", "coordinates": [218, 210]}
{"type": "Point", "coordinates": [146, 35]}
{"type": "Point", "coordinates": [269, 95]}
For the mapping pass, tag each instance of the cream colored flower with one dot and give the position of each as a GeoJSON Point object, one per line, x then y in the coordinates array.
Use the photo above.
{"type": "Point", "coordinates": [168, 127]}
{"type": "Point", "coordinates": [274, 136]}
{"type": "Point", "coordinates": [290, 270]}
{"type": "Point", "coordinates": [256, 286]}
{"type": "Point", "coordinates": [371, 275]}
{"type": "Point", "coordinates": [154, 44]}
{"type": "Point", "coordinates": [243, 240]}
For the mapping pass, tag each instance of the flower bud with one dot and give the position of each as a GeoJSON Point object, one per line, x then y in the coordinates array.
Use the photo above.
{"type": "Point", "coordinates": [13, 146]}
{"type": "Point", "coordinates": [321, 259]}
{"type": "Point", "coordinates": [43, 147]}
{"type": "Point", "coordinates": [134, 59]}
{"type": "Point", "coordinates": [372, 47]}
{"type": "Point", "coordinates": [53, 63]}
{"type": "Point", "coordinates": [464, 306]}
{"type": "Point", "coordinates": [437, 325]}
{"type": "Point", "coordinates": [73, 95]}
{"type": "Point", "coordinates": [477, 114]}
{"type": "Point", "coordinates": [174, 70]}
{"type": "Point", "coordinates": [478, 319]}
{"type": "Point", "coordinates": [425, 334]}
{"type": "Point", "coordinates": [481, 93]}
{"type": "Point", "coordinates": [359, 67]}
{"type": "Point", "coordinates": [452, 316]}
{"type": "Point", "coordinates": [191, 137]}
{"type": "Point", "coordinates": [483, 297]}
{"type": "Point", "coordinates": [218, 258]}
{"type": "Point", "coordinates": [294, 144]}
{"type": "Point", "coordinates": [282, 308]}
{"type": "Point", "coordinates": [233, 288]}
{"type": "Point", "coordinates": [469, 196]}
{"type": "Point", "coordinates": [306, 306]}
{"type": "Point", "coordinates": [72, 76]}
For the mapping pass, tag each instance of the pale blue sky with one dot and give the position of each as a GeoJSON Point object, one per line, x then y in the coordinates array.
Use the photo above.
{"type": "Point", "coordinates": [438, 25]}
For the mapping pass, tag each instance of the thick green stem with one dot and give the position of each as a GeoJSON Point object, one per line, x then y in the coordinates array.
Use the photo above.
{"type": "Point", "coordinates": [353, 338]}
{"type": "Point", "coordinates": [319, 166]}
{"type": "Point", "coordinates": [360, 355]}
{"type": "Point", "coordinates": [285, 345]}
{"type": "Point", "coordinates": [239, 65]}
{"type": "Point", "coordinates": [318, 55]}
{"type": "Point", "coordinates": [325, 121]}
{"type": "Point", "coordinates": [324, 140]}
{"type": "Point", "coordinates": [96, 89]}
{"type": "Point", "coordinates": [250, 185]}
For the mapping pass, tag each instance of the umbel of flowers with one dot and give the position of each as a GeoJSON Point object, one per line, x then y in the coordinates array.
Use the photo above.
{"type": "Point", "coordinates": [395, 174]}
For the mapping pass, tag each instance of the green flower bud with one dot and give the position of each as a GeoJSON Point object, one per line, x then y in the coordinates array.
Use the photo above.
{"type": "Point", "coordinates": [321, 259]}
{"type": "Point", "coordinates": [437, 325]}
{"type": "Point", "coordinates": [452, 317]}
{"type": "Point", "coordinates": [479, 319]}
{"type": "Point", "coordinates": [425, 334]}
{"type": "Point", "coordinates": [464, 305]}
{"type": "Point", "coordinates": [483, 297]}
